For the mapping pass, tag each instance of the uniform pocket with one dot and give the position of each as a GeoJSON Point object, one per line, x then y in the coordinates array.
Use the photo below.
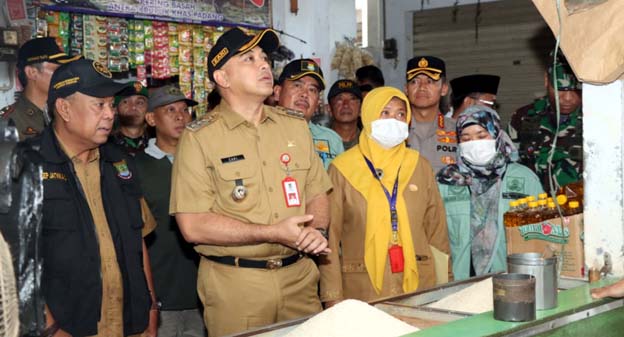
{"type": "Point", "coordinates": [59, 229]}
{"type": "Point", "coordinates": [231, 175]}
{"type": "Point", "coordinates": [59, 209]}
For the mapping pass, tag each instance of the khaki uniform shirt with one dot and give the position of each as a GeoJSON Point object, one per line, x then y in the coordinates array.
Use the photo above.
{"type": "Point", "coordinates": [343, 272]}
{"type": "Point", "coordinates": [28, 118]}
{"type": "Point", "coordinates": [223, 149]}
{"type": "Point", "coordinates": [88, 173]}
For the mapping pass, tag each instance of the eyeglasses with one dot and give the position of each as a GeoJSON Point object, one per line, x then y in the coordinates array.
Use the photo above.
{"type": "Point", "coordinates": [490, 104]}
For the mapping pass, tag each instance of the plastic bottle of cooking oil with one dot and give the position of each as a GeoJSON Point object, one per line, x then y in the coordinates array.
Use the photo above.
{"type": "Point", "coordinates": [522, 204]}
{"type": "Point", "coordinates": [510, 218]}
{"type": "Point", "coordinates": [529, 216]}
{"type": "Point", "coordinates": [573, 208]}
{"type": "Point", "coordinates": [550, 211]}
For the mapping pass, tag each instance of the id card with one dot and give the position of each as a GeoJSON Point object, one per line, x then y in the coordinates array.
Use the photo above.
{"type": "Point", "coordinates": [291, 192]}
{"type": "Point", "coordinates": [397, 261]}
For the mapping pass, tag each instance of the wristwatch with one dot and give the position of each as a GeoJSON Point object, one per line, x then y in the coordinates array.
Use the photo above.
{"type": "Point", "coordinates": [323, 232]}
{"type": "Point", "coordinates": [156, 305]}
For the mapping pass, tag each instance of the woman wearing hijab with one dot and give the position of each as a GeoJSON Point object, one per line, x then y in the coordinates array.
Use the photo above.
{"type": "Point", "coordinates": [386, 212]}
{"type": "Point", "coordinates": [477, 190]}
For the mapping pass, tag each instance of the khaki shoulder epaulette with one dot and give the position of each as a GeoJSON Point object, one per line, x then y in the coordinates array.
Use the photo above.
{"type": "Point", "coordinates": [289, 112]}
{"type": "Point", "coordinates": [202, 121]}
{"type": "Point", "coordinates": [7, 111]}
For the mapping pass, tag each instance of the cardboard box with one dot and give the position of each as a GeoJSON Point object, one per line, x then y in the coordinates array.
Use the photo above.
{"type": "Point", "coordinates": [549, 238]}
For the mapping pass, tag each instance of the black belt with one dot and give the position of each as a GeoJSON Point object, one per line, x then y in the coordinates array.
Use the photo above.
{"type": "Point", "coordinates": [260, 264]}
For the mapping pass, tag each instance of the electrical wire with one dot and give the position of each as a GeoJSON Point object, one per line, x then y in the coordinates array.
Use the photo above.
{"type": "Point", "coordinates": [553, 181]}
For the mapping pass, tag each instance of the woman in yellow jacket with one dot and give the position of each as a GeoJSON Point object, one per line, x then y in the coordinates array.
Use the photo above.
{"type": "Point", "coordinates": [387, 216]}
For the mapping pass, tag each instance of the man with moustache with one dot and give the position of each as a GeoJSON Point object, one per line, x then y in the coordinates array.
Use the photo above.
{"type": "Point", "coordinates": [298, 88]}
{"type": "Point", "coordinates": [432, 134]}
{"type": "Point", "coordinates": [250, 191]}
{"type": "Point", "coordinates": [345, 100]}
{"type": "Point", "coordinates": [131, 132]}
{"type": "Point", "coordinates": [96, 275]}
{"type": "Point", "coordinates": [533, 128]}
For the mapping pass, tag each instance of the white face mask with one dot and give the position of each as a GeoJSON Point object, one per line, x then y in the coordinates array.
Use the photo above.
{"type": "Point", "coordinates": [478, 152]}
{"type": "Point", "coordinates": [389, 132]}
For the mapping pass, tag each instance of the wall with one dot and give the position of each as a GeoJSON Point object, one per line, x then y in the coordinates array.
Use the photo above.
{"type": "Point", "coordinates": [399, 26]}
{"type": "Point", "coordinates": [604, 174]}
{"type": "Point", "coordinates": [321, 23]}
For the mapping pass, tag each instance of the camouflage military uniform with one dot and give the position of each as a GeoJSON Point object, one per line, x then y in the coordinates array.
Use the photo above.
{"type": "Point", "coordinates": [28, 118]}
{"type": "Point", "coordinates": [533, 128]}
{"type": "Point", "coordinates": [130, 145]}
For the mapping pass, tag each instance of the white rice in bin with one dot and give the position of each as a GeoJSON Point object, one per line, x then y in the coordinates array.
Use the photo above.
{"type": "Point", "coordinates": [352, 318]}
{"type": "Point", "coordinates": [476, 299]}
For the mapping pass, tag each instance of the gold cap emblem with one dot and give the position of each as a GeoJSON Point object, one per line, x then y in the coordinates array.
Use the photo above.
{"type": "Point", "coordinates": [101, 69]}
{"type": "Point", "coordinates": [138, 86]}
{"type": "Point", "coordinates": [345, 84]}
{"type": "Point", "coordinates": [423, 63]}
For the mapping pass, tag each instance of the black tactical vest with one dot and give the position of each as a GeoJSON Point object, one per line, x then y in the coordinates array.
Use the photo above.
{"type": "Point", "coordinates": [72, 286]}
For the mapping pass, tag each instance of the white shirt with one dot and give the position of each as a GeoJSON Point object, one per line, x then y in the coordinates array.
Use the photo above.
{"type": "Point", "coordinates": [153, 150]}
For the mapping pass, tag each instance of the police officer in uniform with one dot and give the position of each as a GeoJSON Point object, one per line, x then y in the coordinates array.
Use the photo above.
{"type": "Point", "coordinates": [299, 88]}
{"type": "Point", "coordinates": [93, 213]}
{"type": "Point", "coordinates": [533, 128]}
{"type": "Point", "coordinates": [37, 60]}
{"type": "Point", "coordinates": [250, 191]}
{"type": "Point", "coordinates": [431, 134]}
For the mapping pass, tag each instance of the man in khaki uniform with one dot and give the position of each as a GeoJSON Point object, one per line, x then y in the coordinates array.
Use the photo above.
{"type": "Point", "coordinates": [37, 60]}
{"type": "Point", "coordinates": [250, 191]}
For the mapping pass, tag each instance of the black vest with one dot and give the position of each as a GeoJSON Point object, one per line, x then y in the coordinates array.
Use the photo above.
{"type": "Point", "coordinates": [72, 286]}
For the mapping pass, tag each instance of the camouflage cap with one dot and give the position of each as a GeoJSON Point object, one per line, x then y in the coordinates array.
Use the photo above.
{"type": "Point", "coordinates": [566, 80]}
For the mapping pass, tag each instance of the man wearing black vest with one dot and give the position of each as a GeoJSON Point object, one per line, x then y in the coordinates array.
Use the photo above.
{"type": "Point", "coordinates": [94, 281]}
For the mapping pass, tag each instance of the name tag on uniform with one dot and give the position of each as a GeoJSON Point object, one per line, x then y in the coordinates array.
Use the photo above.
{"type": "Point", "coordinates": [232, 159]}
{"type": "Point", "coordinates": [291, 192]}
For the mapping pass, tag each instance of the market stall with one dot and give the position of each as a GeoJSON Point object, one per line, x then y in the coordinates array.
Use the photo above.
{"type": "Point", "coordinates": [152, 41]}
{"type": "Point", "coordinates": [576, 314]}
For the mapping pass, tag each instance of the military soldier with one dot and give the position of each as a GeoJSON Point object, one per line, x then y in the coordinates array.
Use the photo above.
{"type": "Point", "coordinates": [37, 60]}
{"type": "Point", "coordinates": [431, 134]}
{"type": "Point", "coordinates": [131, 133]}
{"type": "Point", "coordinates": [533, 129]}
{"type": "Point", "coordinates": [299, 87]}
{"type": "Point", "coordinates": [250, 191]}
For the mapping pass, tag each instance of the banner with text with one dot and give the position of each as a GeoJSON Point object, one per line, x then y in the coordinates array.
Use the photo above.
{"type": "Point", "coordinates": [253, 13]}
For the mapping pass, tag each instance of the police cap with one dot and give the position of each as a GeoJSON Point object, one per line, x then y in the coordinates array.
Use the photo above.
{"type": "Point", "coordinates": [428, 65]}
